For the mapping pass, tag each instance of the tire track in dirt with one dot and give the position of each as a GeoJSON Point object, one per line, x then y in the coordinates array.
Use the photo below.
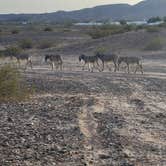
{"type": "Point", "coordinates": [88, 126]}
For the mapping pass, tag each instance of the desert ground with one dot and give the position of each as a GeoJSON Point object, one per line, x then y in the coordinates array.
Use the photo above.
{"type": "Point", "coordinates": [79, 118]}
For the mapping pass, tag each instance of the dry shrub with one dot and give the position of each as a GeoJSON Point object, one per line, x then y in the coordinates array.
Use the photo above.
{"type": "Point", "coordinates": [12, 85]}
{"type": "Point", "coordinates": [26, 44]}
{"type": "Point", "coordinates": [45, 44]}
{"type": "Point", "coordinates": [12, 51]}
{"type": "Point", "coordinates": [155, 45]}
{"type": "Point", "coordinates": [15, 31]}
{"type": "Point", "coordinates": [101, 50]}
{"type": "Point", "coordinates": [152, 29]}
{"type": "Point", "coordinates": [48, 29]}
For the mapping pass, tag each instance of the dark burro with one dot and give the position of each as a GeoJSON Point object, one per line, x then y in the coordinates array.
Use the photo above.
{"type": "Point", "coordinates": [90, 60]}
{"type": "Point", "coordinates": [55, 60]}
{"type": "Point", "coordinates": [105, 58]}
{"type": "Point", "coordinates": [24, 57]}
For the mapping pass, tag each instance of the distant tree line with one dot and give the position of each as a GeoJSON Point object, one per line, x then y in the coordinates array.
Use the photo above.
{"type": "Point", "coordinates": [156, 19]}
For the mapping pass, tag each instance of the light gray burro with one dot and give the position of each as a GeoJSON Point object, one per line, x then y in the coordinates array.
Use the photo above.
{"type": "Point", "coordinates": [131, 60]}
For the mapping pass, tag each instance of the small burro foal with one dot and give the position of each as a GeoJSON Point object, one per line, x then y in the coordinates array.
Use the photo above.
{"type": "Point", "coordinates": [54, 60]}
{"type": "Point", "coordinates": [90, 60]}
{"type": "Point", "coordinates": [131, 60]}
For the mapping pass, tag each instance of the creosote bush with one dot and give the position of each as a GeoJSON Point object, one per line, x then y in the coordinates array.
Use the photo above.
{"type": "Point", "coordinates": [12, 51]}
{"type": "Point", "coordinates": [45, 44]}
{"type": "Point", "coordinates": [101, 50]}
{"type": "Point", "coordinates": [12, 85]}
{"type": "Point", "coordinates": [48, 29]}
{"type": "Point", "coordinates": [26, 44]}
{"type": "Point", "coordinates": [15, 31]}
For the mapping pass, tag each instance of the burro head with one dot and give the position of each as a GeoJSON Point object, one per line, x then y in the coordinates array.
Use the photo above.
{"type": "Point", "coordinates": [81, 57]}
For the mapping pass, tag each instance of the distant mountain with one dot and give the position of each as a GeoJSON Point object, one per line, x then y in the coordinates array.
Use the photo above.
{"type": "Point", "coordinates": [143, 10]}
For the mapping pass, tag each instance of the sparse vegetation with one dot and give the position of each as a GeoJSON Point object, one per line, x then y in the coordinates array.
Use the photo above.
{"type": "Point", "coordinates": [26, 44]}
{"type": "Point", "coordinates": [163, 25]}
{"type": "Point", "coordinates": [152, 29]}
{"type": "Point", "coordinates": [11, 85]}
{"type": "Point", "coordinates": [106, 30]}
{"type": "Point", "coordinates": [59, 110]}
{"type": "Point", "coordinates": [12, 51]}
{"type": "Point", "coordinates": [155, 45]}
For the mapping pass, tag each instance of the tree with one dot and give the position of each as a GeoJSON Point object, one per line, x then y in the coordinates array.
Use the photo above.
{"type": "Point", "coordinates": [123, 22]}
{"type": "Point", "coordinates": [154, 19]}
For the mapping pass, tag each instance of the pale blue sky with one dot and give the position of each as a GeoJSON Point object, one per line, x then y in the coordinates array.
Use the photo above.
{"type": "Point", "coordinates": [41, 6]}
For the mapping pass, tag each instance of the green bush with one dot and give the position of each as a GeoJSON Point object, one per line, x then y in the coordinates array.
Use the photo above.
{"type": "Point", "coordinates": [45, 44]}
{"type": "Point", "coordinates": [48, 29]}
{"type": "Point", "coordinates": [66, 29]}
{"type": "Point", "coordinates": [139, 27]}
{"type": "Point", "coordinates": [154, 19]}
{"type": "Point", "coordinates": [97, 33]}
{"type": "Point", "coordinates": [26, 44]}
{"type": "Point", "coordinates": [155, 45]}
{"type": "Point", "coordinates": [123, 22]}
{"type": "Point", "coordinates": [12, 86]}
{"type": "Point", "coordinates": [163, 25]}
{"type": "Point", "coordinates": [152, 29]}
{"type": "Point", "coordinates": [15, 31]}
{"type": "Point", "coordinates": [100, 50]}
{"type": "Point", "coordinates": [12, 51]}
{"type": "Point", "coordinates": [164, 19]}
{"type": "Point", "coordinates": [2, 53]}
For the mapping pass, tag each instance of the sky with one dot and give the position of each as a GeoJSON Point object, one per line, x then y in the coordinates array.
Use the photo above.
{"type": "Point", "coordinates": [44, 6]}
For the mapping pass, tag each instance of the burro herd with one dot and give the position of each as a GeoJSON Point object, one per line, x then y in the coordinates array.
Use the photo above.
{"type": "Point", "coordinates": [98, 61]}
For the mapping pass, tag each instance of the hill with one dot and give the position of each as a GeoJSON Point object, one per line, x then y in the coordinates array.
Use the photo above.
{"type": "Point", "coordinates": [143, 10]}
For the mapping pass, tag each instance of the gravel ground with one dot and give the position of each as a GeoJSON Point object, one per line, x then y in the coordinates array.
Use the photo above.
{"type": "Point", "coordinates": [81, 118]}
